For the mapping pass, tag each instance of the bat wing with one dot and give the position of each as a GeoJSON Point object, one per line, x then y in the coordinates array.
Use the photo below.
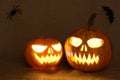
{"type": "Point", "coordinates": [109, 13]}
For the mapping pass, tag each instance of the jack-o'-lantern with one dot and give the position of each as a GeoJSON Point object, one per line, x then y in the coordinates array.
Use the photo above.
{"type": "Point", "coordinates": [44, 53]}
{"type": "Point", "coordinates": [88, 49]}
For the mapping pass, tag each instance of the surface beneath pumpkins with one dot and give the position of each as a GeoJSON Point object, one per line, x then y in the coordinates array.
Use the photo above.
{"type": "Point", "coordinates": [13, 67]}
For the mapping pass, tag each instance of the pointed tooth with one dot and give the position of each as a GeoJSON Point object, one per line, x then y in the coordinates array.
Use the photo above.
{"type": "Point", "coordinates": [76, 58]}
{"type": "Point", "coordinates": [84, 59]}
{"type": "Point", "coordinates": [88, 60]}
{"type": "Point", "coordinates": [73, 58]}
{"type": "Point", "coordinates": [97, 60]}
{"type": "Point", "coordinates": [80, 59]}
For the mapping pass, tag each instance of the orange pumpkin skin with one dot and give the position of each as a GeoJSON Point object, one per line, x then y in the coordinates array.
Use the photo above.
{"type": "Point", "coordinates": [41, 53]}
{"type": "Point", "coordinates": [86, 55]}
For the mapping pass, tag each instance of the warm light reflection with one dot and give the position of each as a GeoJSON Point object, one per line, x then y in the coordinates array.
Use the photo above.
{"type": "Point", "coordinates": [75, 41]}
{"type": "Point", "coordinates": [95, 42]}
{"type": "Point", "coordinates": [83, 59]}
{"type": "Point", "coordinates": [47, 59]}
{"type": "Point", "coordinates": [39, 48]}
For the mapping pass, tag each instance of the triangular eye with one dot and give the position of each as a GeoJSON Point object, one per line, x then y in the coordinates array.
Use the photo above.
{"type": "Point", "coordinates": [39, 48]}
{"type": "Point", "coordinates": [95, 42]}
{"type": "Point", "coordinates": [74, 41]}
{"type": "Point", "coordinates": [57, 47]}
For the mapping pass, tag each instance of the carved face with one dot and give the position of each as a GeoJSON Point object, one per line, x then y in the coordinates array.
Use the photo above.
{"type": "Point", "coordinates": [44, 53]}
{"type": "Point", "coordinates": [87, 57]}
{"type": "Point", "coordinates": [88, 50]}
{"type": "Point", "coordinates": [47, 54]}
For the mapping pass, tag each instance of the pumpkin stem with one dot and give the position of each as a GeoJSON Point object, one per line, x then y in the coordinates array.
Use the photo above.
{"type": "Point", "coordinates": [91, 20]}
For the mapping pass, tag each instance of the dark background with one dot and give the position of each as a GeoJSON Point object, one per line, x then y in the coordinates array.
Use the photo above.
{"type": "Point", "coordinates": [55, 19]}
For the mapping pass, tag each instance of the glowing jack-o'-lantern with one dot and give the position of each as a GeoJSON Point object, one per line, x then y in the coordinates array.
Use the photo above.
{"type": "Point", "coordinates": [44, 53]}
{"type": "Point", "coordinates": [88, 49]}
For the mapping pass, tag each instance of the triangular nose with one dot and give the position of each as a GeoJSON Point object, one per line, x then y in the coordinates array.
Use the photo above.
{"type": "Point", "coordinates": [50, 50]}
{"type": "Point", "coordinates": [83, 48]}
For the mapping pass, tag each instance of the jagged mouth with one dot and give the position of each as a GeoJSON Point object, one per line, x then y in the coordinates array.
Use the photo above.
{"type": "Point", "coordinates": [90, 59]}
{"type": "Point", "coordinates": [48, 59]}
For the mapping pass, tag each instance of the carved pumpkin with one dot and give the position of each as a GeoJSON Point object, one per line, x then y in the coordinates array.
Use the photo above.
{"type": "Point", "coordinates": [88, 49]}
{"type": "Point", "coordinates": [44, 53]}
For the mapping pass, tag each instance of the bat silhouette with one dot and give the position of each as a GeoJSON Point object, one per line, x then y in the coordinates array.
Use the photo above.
{"type": "Point", "coordinates": [109, 13]}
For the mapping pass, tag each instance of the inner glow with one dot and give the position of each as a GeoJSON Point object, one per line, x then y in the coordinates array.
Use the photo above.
{"type": "Point", "coordinates": [48, 59]}
{"type": "Point", "coordinates": [75, 41]}
{"type": "Point", "coordinates": [95, 42]}
{"type": "Point", "coordinates": [57, 47]}
{"type": "Point", "coordinates": [83, 59]}
{"type": "Point", "coordinates": [39, 48]}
